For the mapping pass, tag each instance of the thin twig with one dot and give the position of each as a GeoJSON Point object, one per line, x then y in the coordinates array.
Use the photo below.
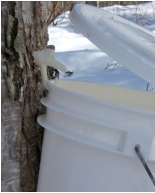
{"type": "Point", "coordinates": [60, 12]}
{"type": "Point", "coordinates": [52, 12]}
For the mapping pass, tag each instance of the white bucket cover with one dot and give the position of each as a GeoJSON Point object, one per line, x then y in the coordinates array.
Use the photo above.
{"type": "Point", "coordinates": [129, 44]}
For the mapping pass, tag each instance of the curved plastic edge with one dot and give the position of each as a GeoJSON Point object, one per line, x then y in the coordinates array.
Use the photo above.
{"type": "Point", "coordinates": [136, 65]}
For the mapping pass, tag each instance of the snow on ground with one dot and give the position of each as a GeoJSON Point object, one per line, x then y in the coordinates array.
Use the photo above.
{"type": "Point", "coordinates": [88, 62]}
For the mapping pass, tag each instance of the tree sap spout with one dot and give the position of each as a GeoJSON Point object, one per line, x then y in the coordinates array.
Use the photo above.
{"type": "Point", "coordinates": [46, 58]}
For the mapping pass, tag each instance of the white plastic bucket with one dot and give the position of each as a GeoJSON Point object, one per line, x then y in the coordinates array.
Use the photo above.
{"type": "Point", "coordinates": [90, 134]}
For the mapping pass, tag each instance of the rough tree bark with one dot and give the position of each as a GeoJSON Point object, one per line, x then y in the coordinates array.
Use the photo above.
{"type": "Point", "coordinates": [24, 29]}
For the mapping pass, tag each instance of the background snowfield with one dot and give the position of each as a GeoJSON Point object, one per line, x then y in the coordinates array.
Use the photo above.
{"type": "Point", "coordinates": [87, 62]}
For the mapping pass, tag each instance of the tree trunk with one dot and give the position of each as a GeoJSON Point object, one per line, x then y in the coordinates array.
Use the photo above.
{"type": "Point", "coordinates": [23, 30]}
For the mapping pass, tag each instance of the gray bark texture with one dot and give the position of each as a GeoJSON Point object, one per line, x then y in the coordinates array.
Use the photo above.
{"type": "Point", "coordinates": [23, 29]}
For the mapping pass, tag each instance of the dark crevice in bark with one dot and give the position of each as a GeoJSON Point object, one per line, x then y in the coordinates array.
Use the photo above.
{"type": "Point", "coordinates": [14, 31]}
{"type": "Point", "coordinates": [13, 37]}
{"type": "Point", "coordinates": [4, 24]}
{"type": "Point", "coordinates": [18, 82]}
{"type": "Point", "coordinates": [12, 5]}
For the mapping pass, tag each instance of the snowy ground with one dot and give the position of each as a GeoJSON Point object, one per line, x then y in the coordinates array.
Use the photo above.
{"type": "Point", "coordinates": [86, 61]}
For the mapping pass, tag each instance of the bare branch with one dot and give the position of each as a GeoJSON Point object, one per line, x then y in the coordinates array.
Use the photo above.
{"type": "Point", "coordinates": [52, 12]}
{"type": "Point", "coordinates": [60, 12]}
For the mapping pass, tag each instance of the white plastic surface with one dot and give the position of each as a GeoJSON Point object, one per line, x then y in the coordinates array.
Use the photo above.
{"type": "Point", "coordinates": [89, 139]}
{"type": "Point", "coordinates": [45, 58]}
{"type": "Point", "coordinates": [98, 122]}
{"type": "Point", "coordinates": [127, 43]}
{"type": "Point", "coordinates": [70, 166]}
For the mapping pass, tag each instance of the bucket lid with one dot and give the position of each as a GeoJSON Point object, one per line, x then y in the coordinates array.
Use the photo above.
{"type": "Point", "coordinates": [129, 44]}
